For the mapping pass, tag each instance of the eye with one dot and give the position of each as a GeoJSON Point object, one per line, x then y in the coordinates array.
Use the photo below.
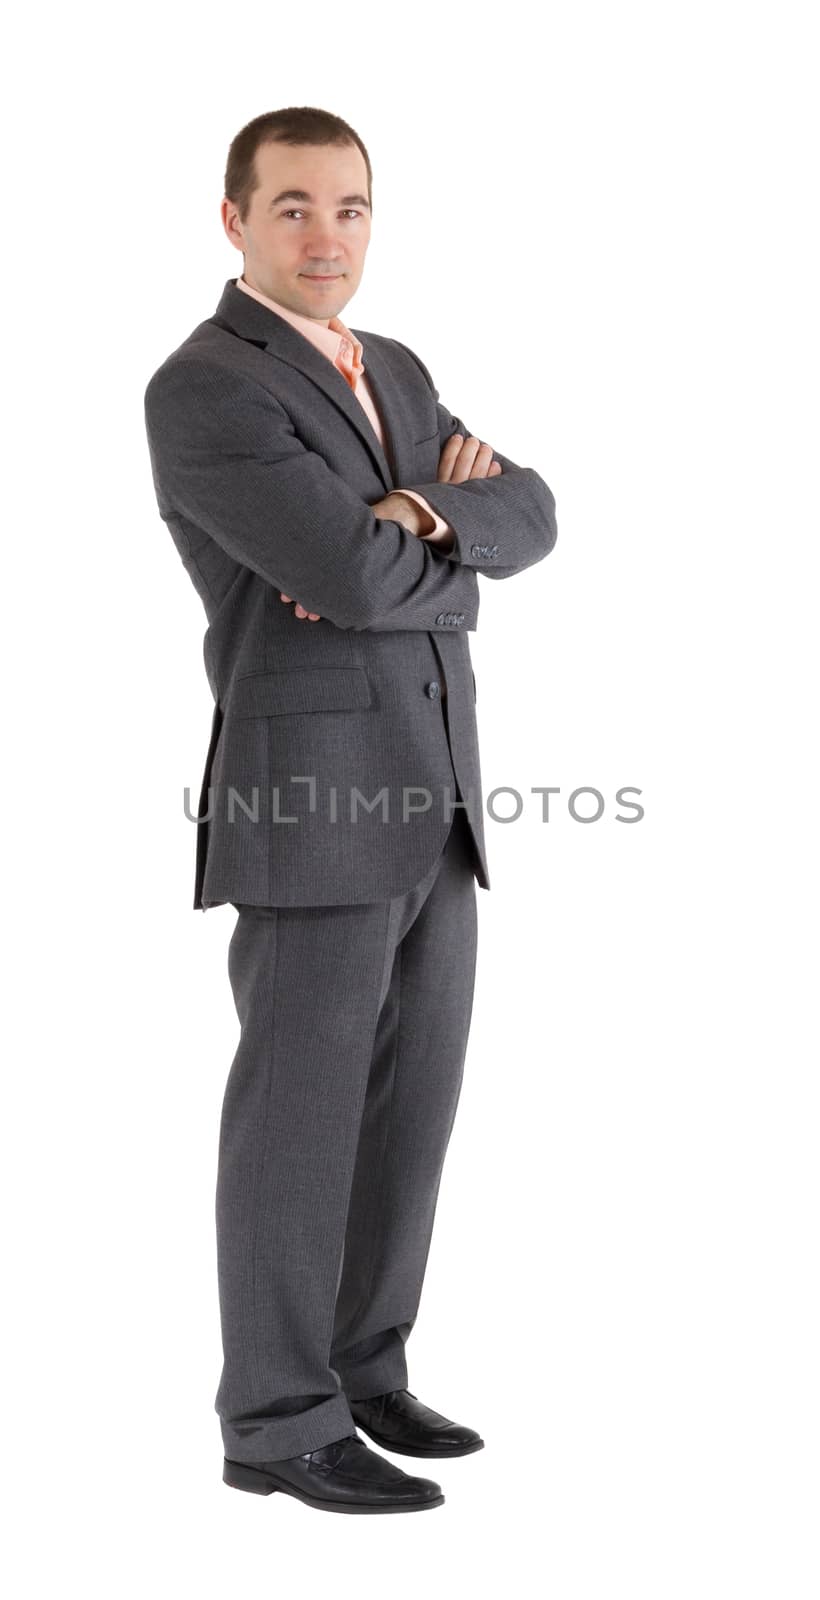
{"type": "Point", "coordinates": [350, 212]}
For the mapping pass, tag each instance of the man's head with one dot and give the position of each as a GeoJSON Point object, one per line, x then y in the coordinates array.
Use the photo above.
{"type": "Point", "coordinates": [297, 204]}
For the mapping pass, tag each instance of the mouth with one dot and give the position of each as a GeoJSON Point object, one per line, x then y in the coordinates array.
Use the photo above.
{"type": "Point", "coordinates": [319, 277]}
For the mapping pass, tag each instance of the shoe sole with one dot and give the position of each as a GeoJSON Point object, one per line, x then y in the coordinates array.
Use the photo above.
{"type": "Point", "coordinates": [413, 1450]}
{"type": "Point", "coordinates": [255, 1481]}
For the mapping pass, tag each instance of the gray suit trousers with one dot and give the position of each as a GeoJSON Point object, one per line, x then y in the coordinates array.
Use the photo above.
{"type": "Point", "coordinates": [338, 1110]}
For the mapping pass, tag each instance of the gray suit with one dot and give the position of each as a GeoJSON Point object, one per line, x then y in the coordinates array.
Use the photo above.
{"type": "Point", "coordinates": [265, 465]}
{"type": "Point", "coordinates": [341, 750]}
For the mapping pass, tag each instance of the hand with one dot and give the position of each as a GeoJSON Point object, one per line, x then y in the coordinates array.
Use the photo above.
{"type": "Point", "coordinates": [466, 458]}
{"type": "Point", "coordinates": [312, 616]}
{"type": "Point", "coordinates": [398, 507]}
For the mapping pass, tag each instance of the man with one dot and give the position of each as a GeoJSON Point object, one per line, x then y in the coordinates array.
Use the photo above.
{"type": "Point", "coordinates": [333, 517]}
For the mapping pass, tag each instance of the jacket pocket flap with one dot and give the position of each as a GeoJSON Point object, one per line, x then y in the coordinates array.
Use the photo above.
{"type": "Point", "coordinates": [273, 694]}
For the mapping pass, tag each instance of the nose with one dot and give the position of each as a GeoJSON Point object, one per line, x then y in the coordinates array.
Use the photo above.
{"type": "Point", "coordinates": [325, 241]}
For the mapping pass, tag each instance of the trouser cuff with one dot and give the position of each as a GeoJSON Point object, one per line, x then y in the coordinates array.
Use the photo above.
{"type": "Point", "coordinates": [277, 1438]}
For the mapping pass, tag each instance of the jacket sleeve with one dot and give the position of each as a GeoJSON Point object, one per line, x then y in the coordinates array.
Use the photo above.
{"type": "Point", "coordinates": [500, 525]}
{"type": "Point", "coordinates": [224, 454]}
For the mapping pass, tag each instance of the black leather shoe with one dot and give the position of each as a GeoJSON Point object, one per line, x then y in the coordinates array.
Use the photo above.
{"type": "Point", "coordinates": [398, 1421]}
{"type": "Point", "coordinates": [342, 1476]}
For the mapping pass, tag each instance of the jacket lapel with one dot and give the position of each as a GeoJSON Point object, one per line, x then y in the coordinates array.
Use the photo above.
{"type": "Point", "coordinates": [243, 315]}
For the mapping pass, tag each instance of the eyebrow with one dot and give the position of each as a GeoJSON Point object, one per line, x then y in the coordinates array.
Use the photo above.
{"type": "Point", "coordinates": [302, 194]}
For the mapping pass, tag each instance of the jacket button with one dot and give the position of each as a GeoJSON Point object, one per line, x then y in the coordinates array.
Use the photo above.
{"type": "Point", "coordinates": [432, 690]}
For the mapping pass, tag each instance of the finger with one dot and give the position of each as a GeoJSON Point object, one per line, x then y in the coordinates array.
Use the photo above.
{"type": "Point", "coordinates": [495, 468]}
{"type": "Point", "coordinates": [313, 616]}
{"type": "Point", "coordinates": [463, 468]}
{"type": "Point", "coordinates": [300, 610]}
{"type": "Point", "coordinates": [285, 597]}
{"type": "Point", "coordinates": [482, 462]}
{"type": "Point", "coordinates": [448, 457]}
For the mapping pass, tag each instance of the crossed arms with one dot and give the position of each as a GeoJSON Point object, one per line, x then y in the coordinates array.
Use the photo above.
{"type": "Point", "coordinates": [460, 459]}
{"type": "Point", "coordinates": [225, 455]}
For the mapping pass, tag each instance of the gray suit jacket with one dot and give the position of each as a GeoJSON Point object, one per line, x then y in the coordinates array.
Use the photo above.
{"type": "Point", "coordinates": [265, 466]}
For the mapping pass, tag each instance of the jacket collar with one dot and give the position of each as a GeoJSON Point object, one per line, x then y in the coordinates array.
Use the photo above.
{"type": "Point", "coordinates": [246, 317]}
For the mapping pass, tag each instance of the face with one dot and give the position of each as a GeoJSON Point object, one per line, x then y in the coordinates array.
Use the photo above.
{"type": "Point", "coordinates": [306, 250]}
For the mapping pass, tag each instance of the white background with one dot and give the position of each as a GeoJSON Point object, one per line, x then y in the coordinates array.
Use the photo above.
{"type": "Point", "coordinates": [597, 225]}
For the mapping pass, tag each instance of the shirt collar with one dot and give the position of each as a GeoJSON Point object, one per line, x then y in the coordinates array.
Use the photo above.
{"type": "Point", "coordinates": [334, 339]}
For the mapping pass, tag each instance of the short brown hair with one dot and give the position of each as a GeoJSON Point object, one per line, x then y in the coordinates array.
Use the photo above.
{"type": "Point", "coordinates": [291, 125]}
